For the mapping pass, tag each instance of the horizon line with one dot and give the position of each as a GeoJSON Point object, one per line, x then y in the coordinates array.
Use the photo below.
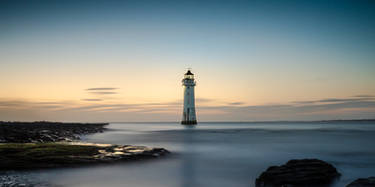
{"type": "Point", "coordinates": [262, 121]}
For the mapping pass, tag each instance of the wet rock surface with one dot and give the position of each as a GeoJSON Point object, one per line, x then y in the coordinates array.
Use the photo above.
{"type": "Point", "coordinates": [33, 132]}
{"type": "Point", "coordinates": [363, 182]}
{"type": "Point", "coordinates": [299, 173]}
{"type": "Point", "coordinates": [25, 156]}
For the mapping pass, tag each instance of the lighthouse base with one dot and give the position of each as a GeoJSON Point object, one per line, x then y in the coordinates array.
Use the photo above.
{"type": "Point", "coordinates": [189, 122]}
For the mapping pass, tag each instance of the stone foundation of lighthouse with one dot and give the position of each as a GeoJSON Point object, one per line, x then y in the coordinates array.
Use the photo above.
{"type": "Point", "coordinates": [188, 115]}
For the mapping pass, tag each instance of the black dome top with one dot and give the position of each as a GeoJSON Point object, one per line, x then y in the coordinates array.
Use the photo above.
{"type": "Point", "coordinates": [189, 73]}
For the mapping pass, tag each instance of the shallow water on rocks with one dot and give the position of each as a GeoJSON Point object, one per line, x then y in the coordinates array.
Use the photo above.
{"type": "Point", "coordinates": [222, 154]}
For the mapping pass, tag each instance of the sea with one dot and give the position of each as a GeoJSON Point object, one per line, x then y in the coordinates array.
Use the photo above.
{"type": "Point", "coordinates": [222, 154]}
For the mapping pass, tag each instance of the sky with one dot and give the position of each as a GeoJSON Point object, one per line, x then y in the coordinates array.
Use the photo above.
{"type": "Point", "coordinates": [120, 61]}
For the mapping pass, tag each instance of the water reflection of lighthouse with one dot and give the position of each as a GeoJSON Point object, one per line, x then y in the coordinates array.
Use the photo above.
{"type": "Point", "coordinates": [188, 115]}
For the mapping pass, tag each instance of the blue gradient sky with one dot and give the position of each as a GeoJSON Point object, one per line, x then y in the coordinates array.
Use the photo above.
{"type": "Point", "coordinates": [249, 57]}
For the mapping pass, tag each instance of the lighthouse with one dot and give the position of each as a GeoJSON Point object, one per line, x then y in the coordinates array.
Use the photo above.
{"type": "Point", "coordinates": [188, 114]}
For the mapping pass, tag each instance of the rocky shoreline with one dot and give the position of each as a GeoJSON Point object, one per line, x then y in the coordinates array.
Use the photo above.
{"type": "Point", "coordinates": [42, 131]}
{"type": "Point", "coordinates": [32, 145]}
{"type": "Point", "coordinates": [40, 145]}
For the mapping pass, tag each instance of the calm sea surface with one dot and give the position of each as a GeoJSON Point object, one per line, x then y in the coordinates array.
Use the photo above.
{"type": "Point", "coordinates": [223, 154]}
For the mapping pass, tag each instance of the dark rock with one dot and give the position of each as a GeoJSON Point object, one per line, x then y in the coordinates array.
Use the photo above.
{"type": "Point", "coordinates": [34, 132]}
{"type": "Point", "coordinates": [363, 182]}
{"type": "Point", "coordinates": [299, 173]}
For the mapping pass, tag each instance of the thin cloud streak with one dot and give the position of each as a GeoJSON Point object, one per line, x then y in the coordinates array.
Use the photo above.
{"type": "Point", "coordinates": [236, 103]}
{"type": "Point", "coordinates": [103, 93]}
{"type": "Point", "coordinates": [92, 99]}
{"type": "Point", "coordinates": [338, 100]}
{"type": "Point", "coordinates": [101, 89]}
{"type": "Point", "coordinates": [365, 96]}
{"type": "Point", "coordinates": [203, 100]}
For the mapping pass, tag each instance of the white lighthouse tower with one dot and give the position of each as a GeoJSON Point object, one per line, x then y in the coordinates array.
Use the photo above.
{"type": "Point", "coordinates": [188, 115]}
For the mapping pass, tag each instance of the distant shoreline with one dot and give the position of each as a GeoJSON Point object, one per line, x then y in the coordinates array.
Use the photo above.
{"type": "Point", "coordinates": [276, 121]}
{"type": "Point", "coordinates": [262, 121]}
{"type": "Point", "coordinates": [299, 121]}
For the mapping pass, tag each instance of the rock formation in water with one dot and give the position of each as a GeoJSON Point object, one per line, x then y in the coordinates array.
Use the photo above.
{"type": "Point", "coordinates": [36, 145]}
{"type": "Point", "coordinates": [299, 173]}
{"type": "Point", "coordinates": [363, 182]}
{"type": "Point", "coordinates": [15, 156]}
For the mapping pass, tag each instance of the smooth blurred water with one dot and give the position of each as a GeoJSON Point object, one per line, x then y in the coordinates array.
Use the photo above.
{"type": "Point", "coordinates": [223, 154]}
